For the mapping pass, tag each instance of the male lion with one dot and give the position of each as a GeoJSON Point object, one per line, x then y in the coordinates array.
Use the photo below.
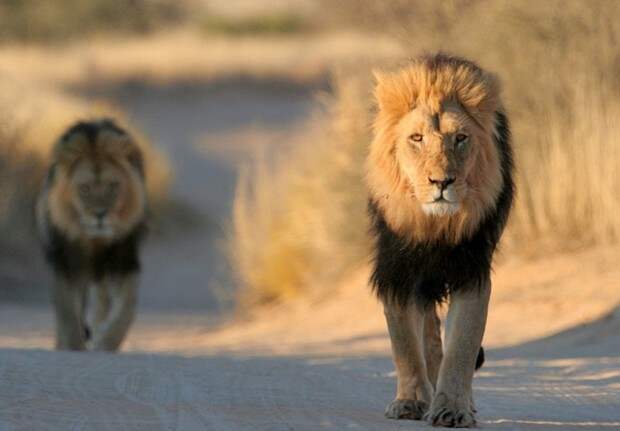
{"type": "Point", "coordinates": [91, 219]}
{"type": "Point", "coordinates": [440, 181]}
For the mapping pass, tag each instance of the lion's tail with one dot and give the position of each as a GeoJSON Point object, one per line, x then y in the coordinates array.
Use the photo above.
{"type": "Point", "coordinates": [480, 359]}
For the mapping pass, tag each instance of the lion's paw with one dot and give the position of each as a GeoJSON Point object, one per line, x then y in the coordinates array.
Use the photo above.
{"type": "Point", "coordinates": [449, 414]}
{"type": "Point", "coordinates": [406, 409]}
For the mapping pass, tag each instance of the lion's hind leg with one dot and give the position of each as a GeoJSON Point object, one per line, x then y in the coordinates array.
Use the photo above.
{"type": "Point", "coordinates": [110, 333]}
{"type": "Point", "coordinates": [414, 389]}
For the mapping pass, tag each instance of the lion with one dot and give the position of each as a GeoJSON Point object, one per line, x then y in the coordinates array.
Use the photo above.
{"type": "Point", "coordinates": [91, 217]}
{"type": "Point", "coordinates": [440, 179]}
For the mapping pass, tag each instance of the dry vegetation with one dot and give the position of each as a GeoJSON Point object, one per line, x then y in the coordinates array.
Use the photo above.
{"type": "Point", "coordinates": [560, 67]}
{"type": "Point", "coordinates": [292, 222]}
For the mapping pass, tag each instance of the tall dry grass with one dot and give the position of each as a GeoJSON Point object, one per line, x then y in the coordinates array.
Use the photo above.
{"type": "Point", "coordinates": [292, 224]}
{"type": "Point", "coordinates": [560, 66]}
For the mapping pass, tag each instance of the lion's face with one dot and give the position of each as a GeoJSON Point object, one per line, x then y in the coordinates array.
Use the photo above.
{"type": "Point", "coordinates": [434, 167]}
{"type": "Point", "coordinates": [98, 189]}
{"type": "Point", "coordinates": [98, 193]}
{"type": "Point", "coordinates": [436, 152]}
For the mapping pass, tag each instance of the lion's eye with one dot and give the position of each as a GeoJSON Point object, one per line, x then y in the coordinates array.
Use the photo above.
{"type": "Point", "coordinates": [461, 140]}
{"type": "Point", "coordinates": [461, 137]}
{"type": "Point", "coordinates": [416, 137]}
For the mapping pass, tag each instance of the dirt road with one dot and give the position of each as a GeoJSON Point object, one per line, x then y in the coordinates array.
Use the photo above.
{"type": "Point", "coordinates": [42, 390]}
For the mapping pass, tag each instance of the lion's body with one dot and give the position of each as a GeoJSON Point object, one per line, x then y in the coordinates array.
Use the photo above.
{"type": "Point", "coordinates": [441, 188]}
{"type": "Point", "coordinates": [91, 216]}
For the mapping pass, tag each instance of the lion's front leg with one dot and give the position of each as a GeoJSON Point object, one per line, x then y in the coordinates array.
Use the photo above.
{"type": "Point", "coordinates": [109, 334]}
{"type": "Point", "coordinates": [68, 297]}
{"type": "Point", "coordinates": [433, 350]}
{"type": "Point", "coordinates": [452, 405]}
{"type": "Point", "coordinates": [100, 300]}
{"type": "Point", "coordinates": [414, 390]}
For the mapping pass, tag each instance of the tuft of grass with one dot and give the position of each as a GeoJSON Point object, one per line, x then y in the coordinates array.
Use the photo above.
{"type": "Point", "coordinates": [560, 68]}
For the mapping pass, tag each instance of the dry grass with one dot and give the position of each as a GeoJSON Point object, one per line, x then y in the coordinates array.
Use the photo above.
{"type": "Point", "coordinates": [561, 71]}
{"type": "Point", "coordinates": [292, 224]}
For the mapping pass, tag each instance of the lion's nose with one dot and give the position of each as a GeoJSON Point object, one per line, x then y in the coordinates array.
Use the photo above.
{"type": "Point", "coordinates": [442, 183]}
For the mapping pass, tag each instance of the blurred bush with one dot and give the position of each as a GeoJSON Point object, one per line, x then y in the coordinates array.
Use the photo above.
{"type": "Point", "coordinates": [48, 21]}
{"type": "Point", "coordinates": [301, 223]}
{"type": "Point", "coordinates": [560, 66]}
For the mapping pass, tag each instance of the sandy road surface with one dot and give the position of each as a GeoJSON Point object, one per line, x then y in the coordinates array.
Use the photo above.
{"type": "Point", "coordinates": [68, 391]}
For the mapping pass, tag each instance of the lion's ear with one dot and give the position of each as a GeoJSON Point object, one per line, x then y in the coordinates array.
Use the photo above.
{"type": "Point", "coordinates": [392, 94]}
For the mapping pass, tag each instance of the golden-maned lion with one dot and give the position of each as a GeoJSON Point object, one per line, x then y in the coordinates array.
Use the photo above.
{"type": "Point", "coordinates": [91, 219]}
{"type": "Point", "coordinates": [441, 187]}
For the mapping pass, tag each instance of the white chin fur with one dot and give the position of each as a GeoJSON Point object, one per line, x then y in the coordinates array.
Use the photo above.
{"type": "Point", "coordinates": [440, 208]}
{"type": "Point", "coordinates": [96, 231]}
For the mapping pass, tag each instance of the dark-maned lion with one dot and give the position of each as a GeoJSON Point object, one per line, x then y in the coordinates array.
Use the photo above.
{"type": "Point", "coordinates": [91, 219]}
{"type": "Point", "coordinates": [440, 179]}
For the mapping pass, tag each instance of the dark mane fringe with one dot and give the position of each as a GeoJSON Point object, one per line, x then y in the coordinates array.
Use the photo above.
{"type": "Point", "coordinates": [91, 130]}
{"type": "Point", "coordinates": [118, 258]}
{"type": "Point", "coordinates": [427, 273]}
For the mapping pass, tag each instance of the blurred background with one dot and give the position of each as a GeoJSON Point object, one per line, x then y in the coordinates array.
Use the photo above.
{"type": "Point", "coordinates": [255, 116]}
